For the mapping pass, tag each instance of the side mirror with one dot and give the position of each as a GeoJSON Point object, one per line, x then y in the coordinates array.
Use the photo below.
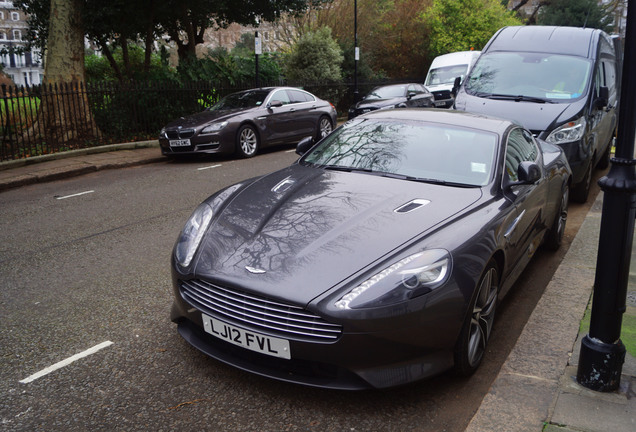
{"type": "Point", "coordinates": [304, 145]}
{"type": "Point", "coordinates": [274, 104]}
{"type": "Point", "coordinates": [456, 84]}
{"type": "Point", "coordinates": [527, 173]}
{"type": "Point", "coordinates": [603, 98]}
{"type": "Point", "coordinates": [410, 95]}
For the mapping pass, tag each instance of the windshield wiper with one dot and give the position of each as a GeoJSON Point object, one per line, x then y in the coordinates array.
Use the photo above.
{"type": "Point", "coordinates": [517, 98]}
{"type": "Point", "coordinates": [345, 168]}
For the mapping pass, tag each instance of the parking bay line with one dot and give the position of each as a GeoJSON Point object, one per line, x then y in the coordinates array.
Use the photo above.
{"type": "Point", "coordinates": [65, 362]}
{"type": "Point", "coordinates": [74, 195]}
{"type": "Point", "coordinates": [208, 167]}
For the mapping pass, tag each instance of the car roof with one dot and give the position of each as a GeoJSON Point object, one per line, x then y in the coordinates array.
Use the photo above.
{"type": "Point", "coordinates": [444, 116]}
{"type": "Point", "coordinates": [546, 39]}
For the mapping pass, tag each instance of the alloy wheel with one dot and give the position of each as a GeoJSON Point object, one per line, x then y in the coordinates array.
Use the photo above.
{"type": "Point", "coordinates": [483, 315]}
{"type": "Point", "coordinates": [248, 141]}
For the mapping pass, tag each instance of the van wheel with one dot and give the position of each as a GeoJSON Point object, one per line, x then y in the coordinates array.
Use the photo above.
{"type": "Point", "coordinates": [605, 160]}
{"type": "Point", "coordinates": [581, 190]}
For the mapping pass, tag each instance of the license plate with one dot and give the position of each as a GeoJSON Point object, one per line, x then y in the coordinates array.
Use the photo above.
{"type": "Point", "coordinates": [440, 103]}
{"type": "Point", "coordinates": [180, 143]}
{"type": "Point", "coordinates": [247, 339]}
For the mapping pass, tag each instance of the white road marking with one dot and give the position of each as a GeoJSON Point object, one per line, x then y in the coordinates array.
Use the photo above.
{"type": "Point", "coordinates": [208, 167]}
{"type": "Point", "coordinates": [66, 362]}
{"type": "Point", "coordinates": [74, 195]}
{"type": "Point", "coordinates": [290, 151]}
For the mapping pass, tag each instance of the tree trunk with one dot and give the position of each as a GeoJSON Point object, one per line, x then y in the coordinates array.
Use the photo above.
{"type": "Point", "coordinates": [65, 114]}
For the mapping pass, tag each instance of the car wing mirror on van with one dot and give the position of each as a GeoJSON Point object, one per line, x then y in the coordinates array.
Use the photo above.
{"type": "Point", "coordinates": [304, 145]}
{"type": "Point", "coordinates": [603, 98]}
{"type": "Point", "coordinates": [456, 84]}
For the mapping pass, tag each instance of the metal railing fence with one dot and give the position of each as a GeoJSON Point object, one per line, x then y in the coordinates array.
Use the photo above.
{"type": "Point", "coordinates": [44, 119]}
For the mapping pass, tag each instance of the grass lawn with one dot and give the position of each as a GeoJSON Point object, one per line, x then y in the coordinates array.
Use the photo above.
{"type": "Point", "coordinates": [628, 330]}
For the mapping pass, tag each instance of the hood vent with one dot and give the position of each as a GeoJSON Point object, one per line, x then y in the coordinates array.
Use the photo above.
{"type": "Point", "coordinates": [410, 206]}
{"type": "Point", "coordinates": [283, 185]}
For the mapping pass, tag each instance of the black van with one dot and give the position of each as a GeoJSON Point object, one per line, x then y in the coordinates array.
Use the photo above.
{"type": "Point", "coordinates": [559, 82]}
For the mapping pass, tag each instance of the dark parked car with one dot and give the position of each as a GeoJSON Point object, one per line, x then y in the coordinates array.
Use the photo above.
{"type": "Point", "coordinates": [393, 96]}
{"type": "Point", "coordinates": [378, 258]}
{"type": "Point", "coordinates": [246, 121]}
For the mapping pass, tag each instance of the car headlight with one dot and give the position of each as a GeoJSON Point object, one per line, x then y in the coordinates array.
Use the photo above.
{"type": "Point", "coordinates": [414, 275]}
{"type": "Point", "coordinates": [214, 127]}
{"type": "Point", "coordinates": [568, 132]}
{"type": "Point", "coordinates": [192, 234]}
{"type": "Point", "coordinates": [162, 133]}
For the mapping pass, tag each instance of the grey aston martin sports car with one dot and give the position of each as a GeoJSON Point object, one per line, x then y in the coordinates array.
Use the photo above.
{"type": "Point", "coordinates": [247, 121]}
{"type": "Point", "coordinates": [378, 258]}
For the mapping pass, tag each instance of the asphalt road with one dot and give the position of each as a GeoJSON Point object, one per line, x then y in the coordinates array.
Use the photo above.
{"type": "Point", "coordinates": [84, 263]}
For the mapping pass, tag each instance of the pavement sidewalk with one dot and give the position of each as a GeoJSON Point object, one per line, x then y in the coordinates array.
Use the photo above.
{"type": "Point", "coordinates": [38, 169]}
{"type": "Point", "coordinates": [535, 389]}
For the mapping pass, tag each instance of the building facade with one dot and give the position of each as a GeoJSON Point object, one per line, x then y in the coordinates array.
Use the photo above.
{"type": "Point", "coordinates": [24, 68]}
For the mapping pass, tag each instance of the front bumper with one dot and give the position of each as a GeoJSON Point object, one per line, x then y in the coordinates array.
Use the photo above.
{"type": "Point", "coordinates": [378, 351]}
{"type": "Point", "coordinates": [209, 144]}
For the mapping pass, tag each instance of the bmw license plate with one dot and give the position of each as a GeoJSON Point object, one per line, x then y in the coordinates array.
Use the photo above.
{"type": "Point", "coordinates": [247, 339]}
{"type": "Point", "coordinates": [440, 103]}
{"type": "Point", "coordinates": [180, 143]}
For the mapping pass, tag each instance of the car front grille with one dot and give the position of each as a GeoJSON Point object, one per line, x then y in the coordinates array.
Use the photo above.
{"type": "Point", "coordinates": [258, 313]}
{"type": "Point", "coordinates": [179, 133]}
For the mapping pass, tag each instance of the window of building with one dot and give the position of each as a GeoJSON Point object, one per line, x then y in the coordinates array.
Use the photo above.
{"type": "Point", "coordinates": [17, 35]}
{"type": "Point", "coordinates": [3, 35]}
{"type": "Point", "coordinates": [1, 15]}
{"type": "Point", "coordinates": [15, 16]}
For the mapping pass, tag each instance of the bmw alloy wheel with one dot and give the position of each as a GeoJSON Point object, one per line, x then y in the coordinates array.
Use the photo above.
{"type": "Point", "coordinates": [247, 141]}
{"type": "Point", "coordinates": [325, 127]}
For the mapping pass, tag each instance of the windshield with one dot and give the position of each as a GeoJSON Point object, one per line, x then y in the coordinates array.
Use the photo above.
{"type": "Point", "coordinates": [446, 75]}
{"type": "Point", "coordinates": [387, 92]}
{"type": "Point", "coordinates": [248, 99]}
{"type": "Point", "coordinates": [436, 153]}
{"type": "Point", "coordinates": [549, 77]}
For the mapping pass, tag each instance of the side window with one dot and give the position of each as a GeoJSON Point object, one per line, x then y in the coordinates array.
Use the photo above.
{"type": "Point", "coordinates": [281, 95]}
{"type": "Point", "coordinates": [520, 147]}
{"type": "Point", "coordinates": [609, 69]}
{"type": "Point", "coordinates": [298, 96]}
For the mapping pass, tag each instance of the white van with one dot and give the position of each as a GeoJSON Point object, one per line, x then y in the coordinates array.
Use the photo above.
{"type": "Point", "coordinates": [443, 72]}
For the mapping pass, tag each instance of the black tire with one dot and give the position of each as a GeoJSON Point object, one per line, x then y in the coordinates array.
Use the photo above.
{"type": "Point", "coordinates": [471, 345]}
{"type": "Point", "coordinates": [554, 236]}
{"type": "Point", "coordinates": [247, 141]}
{"type": "Point", "coordinates": [581, 190]}
{"type": "Point", "coordinates": [325, 126]}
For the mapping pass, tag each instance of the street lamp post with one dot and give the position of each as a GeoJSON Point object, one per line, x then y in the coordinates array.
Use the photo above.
{"type": "Point", "coordinates": [258, 49]}
{"type": "Point", "coordinates": [602, 353]}
{"type": "Point", "coordinates": [356, 51]}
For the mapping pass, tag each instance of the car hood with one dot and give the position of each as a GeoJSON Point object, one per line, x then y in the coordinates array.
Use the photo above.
{"type": "Point", "coordinates": [379, 103]}
{"type": "Point", "coordinates": [205, 117]}
{"type": "Point", "coordinates": [294, 234]}
{"type": "Point", "coordinates": [537, 117]}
